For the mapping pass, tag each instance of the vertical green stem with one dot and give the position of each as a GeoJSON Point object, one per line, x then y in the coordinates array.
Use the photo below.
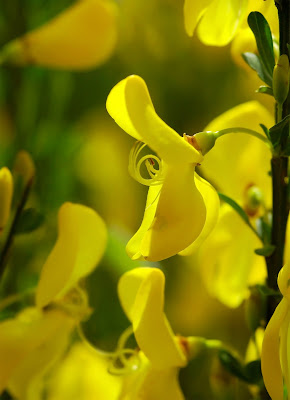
{"type": "Point", "coordinates": [279, 168]}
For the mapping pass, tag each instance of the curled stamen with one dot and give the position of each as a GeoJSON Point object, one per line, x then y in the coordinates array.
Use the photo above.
{"type": "Point", "coordinates": [150, 160]}
{"type": "Point", "coordinates": [122, 360]}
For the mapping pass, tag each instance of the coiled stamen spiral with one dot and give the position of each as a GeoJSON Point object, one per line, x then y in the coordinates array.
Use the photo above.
{"type": "Point", "coordinates": [155, 174]}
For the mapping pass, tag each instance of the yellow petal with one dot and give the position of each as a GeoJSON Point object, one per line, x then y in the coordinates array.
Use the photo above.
{"type": "Point", "coordinates": [242, 159]}
{"type": "Point", "coordinates": [83, 375]}
{"type": "Point", "coordinates": [82, 36]}
{"type": "Point", "coordinates": [214, 33]}
{"type": "Point", "coordinates": [271, 367]}
{"type": "Point", "coordinates": [27, 379]}
{"type": "Point", "coordinates": [133, 247]}
{"type": "Point", "coordinates": [21, 336]}
{"type": "Point", "coordinates": [130, 105]}
{"type": "Point", "coordinates": [79, 247]}
{"type": "Point", "coordinates": [179, 218]}
{"type": "Point", "coordinates": [227, 259]}
{"type": "Point", "coordinates": [141, 293]}
{"type": "Point", "coordinates": [284, 279]}
{"type": "Point", "coordinates": [212, 202]}
{"type": "Point", "coordinates": [193, 11]}
{"type": "Point", "coordinates": [6, 191]}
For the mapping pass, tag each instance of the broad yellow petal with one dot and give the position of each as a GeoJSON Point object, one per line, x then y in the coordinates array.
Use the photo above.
{"type": "Point", "coordinates": [179, 218]}
{"type": "Point", "coordinates": [193, 11]}
{"type": "Point", "coordinates": [270, 356]}
{"type": "Point", "coordinates": [227, 259]}
{"type": "Point", "coordinates": [82, 36]}
{"type": "Point", "coordinates": [27, 379]}
{"type": "Point", "coordinates": [212, 202]}
{"type": "Point", "coordinates": [20, 337]}
{"type": "Point", "coordinates": [231, 12]}
{"type": "Point", "coordinates": [141, 293]}
{"type": "Point", "coordinates": [83, 375]}
{"type": "Point", "coordinates": [130, 105]}
{"type": "Point", "coordinates": [79, 247]}
{"type": "Point", "coordinates": [239, 160]}
{"type": "Point", "coordinates": [133, 247]}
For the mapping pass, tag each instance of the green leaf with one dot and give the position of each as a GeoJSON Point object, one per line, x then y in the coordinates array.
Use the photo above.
{"type": "Point", "coordinates": [265, 251]}
{"type": "Point", "coordinates": [231, 364]}
{"type": "Point", "coordinates": [266, 131]}
{"type": "Point", "coordinates": [29, 220]}
{"type": "Point", "coordinates": [266, 291]}
{"type": "Point", "coordinates": [280, 132]}
{"type": "Point", "coordinates": [253, 372]}
{"type": "Point", "coordinates": [256, 64]}
{"type": "Point", "coordinates": [263, 36]}
{"type": "Point", "coordinates": [239, 210]}
{"type": "Point", "coordinates": [265, 90]}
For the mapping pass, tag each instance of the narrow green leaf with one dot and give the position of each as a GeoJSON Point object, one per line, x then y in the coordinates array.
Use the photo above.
{"type": "Point", "coordinates": [253, 372]}
{"type": "Point", "coordinates": [239, 210]}
{"type": "Point", "coordinates": [266, 291]}
{"type": "Point", "coordinates": [266, 131]}
{"type": "Point", "coordinates": [265, 251]}
{"type": "Point", "coordinates": [29, 220]}
{"type": "Point", "coordinates": [231, 364]}
{"type": "Point", "coordinates": [280, 132]}
{"type": "Point", "coordinates": [255, 63]}
{"type": "Point", "coordinates": [263, 36]}
{"type": "Point", "coordinates": [265, 90]}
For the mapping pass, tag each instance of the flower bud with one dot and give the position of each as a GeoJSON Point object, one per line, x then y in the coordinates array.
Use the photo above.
{"type": "Point", "coordinates": [6, 191]}
{"type": "Point", "coordinates": [255, 309]}
{"type": "Point", "coordinates": [202, 141]}
{"type": "Point", "coordinates": [253, 199]}
{"type": "Point", "coordinates": [281, 79]}
{"type": "Point", "coordinates": [24, 166]}
{"type": "Point", "coordinates": [82, 36]}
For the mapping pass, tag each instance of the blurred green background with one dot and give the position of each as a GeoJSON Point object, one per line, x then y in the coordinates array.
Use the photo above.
{"type": "Point", "coordinates": [80, 154]}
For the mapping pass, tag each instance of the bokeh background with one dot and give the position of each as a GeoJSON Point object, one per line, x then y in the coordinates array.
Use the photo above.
{"type": "Point", "coordinates": [81, 155]}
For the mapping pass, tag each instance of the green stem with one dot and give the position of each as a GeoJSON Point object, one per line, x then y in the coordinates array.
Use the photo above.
{"type": "Point", "coordinates": [9, 241]}
{"type": "Point", "coordinates": [243, 130]}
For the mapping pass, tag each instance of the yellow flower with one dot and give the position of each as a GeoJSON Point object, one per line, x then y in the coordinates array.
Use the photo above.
{"type": "Point", "coordinates": [83, 375]}
{"type": "Point", "coordinates": [81, 37]}
{"type": "Point", "coordinates": [238, 166]}
{"type": "Point", "coordinates": [206, 16]}
{"type": "Point", "coordinates": [175, 212]}
{"type": "Point", "coordinates": [6, 191]}
{"type": "Point", "coordinates": [275, 348]}
{"type": "Point", "coordinates": [32, 341]}
{"type": "Point", "coordinates": [161, 354]}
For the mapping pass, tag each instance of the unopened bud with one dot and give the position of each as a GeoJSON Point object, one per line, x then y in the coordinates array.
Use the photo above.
{"type": "Point", "coordinates": [6, 191]}
{"type": "Point", "coordinates": [255, 309]}
{"type": "Point", "coordinates": [253, 199]}
{"type": "Point", "coordinates": [202, 141]}
{"type": "Point", "coordinates": [24, 166]}
{"type": "Point", "coordinates": [281, 79]}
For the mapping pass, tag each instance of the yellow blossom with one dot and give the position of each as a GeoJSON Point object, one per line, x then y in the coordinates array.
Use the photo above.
{"type": "Point", "coordinates": [275, 348]}
{"type": "Point", "coordinates": [161, 354]}
{"type": "Point", "coordinates": [238, 166]}
{"type": "Point", "coordinates": [81, 37]}
{"type": "Point", "coordinates": [37, 337]}
{"type": "Point", "coordinates": [175, 212]}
